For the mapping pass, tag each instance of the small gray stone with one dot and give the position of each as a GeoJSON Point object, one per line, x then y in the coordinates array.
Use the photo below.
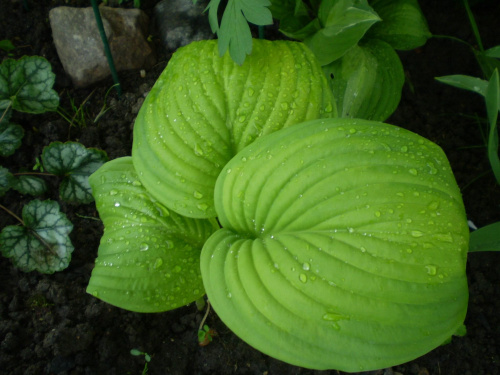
{"type": "Point", "coordinates": [181, 22]}
{"type": "Point", "coordinates": [81, 49]}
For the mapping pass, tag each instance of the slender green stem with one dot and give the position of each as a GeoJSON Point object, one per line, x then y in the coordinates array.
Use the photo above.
{"type": "Point", "coordinates": [454, 39]}
{"type": "Point", "coordinates": [205, 316]}
{"type": "Point", "coordinates": [473, 25]}
{"type": "Point", "coordinates": [107, 50]}
{"type": "Point", "coordinates": [261, 32]}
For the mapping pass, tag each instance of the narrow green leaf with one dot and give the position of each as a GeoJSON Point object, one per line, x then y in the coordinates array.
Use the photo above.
{"type": "Point", "coordinates": [204, 109]}
{"type": "Point", "coordinates": [344, 24]}
{"type": "Point", "coordinates": [343, 246]}
{"type": "Point", "coordinates": [6, 180]}
{"type": "Point", "coordinates": [75, 163]}
{"type": "Point", "coordinates": [31, 185]}
{"type": "Point", "coordinates": [367, 81]}
{"type": "Point", "coordinates": [148, 259]}
{"type": "Point", "coordinates": [26, 85]}
{"type": "Point", "coordinates": [493, 52]}
{"type": "Point", "coordinates": [465, 82]}
{"type": "Point", "coordinates": [486, 238]}
{"type": "Point", "coordinates": [492, 98]}
{"type": "Point", "coordinates": [10, 137]}
{"type": "Point", "coordinates": [404, 26]}
{"type": "Point", "coordinates": [43, 243]}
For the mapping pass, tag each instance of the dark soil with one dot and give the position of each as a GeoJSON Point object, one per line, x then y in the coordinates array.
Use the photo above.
{"type": "Point", "coordinates": [49, 325]}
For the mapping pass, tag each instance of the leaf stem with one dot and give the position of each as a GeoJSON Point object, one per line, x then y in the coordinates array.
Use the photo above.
{"type": "Point", "coordinates": [12, 214]}
{"type": "Point", "coordinates": [205, 316]}
{"type": "Point", "coordinates": [34, 174]}
{"type": "Point", "coordinates": [5, 111]}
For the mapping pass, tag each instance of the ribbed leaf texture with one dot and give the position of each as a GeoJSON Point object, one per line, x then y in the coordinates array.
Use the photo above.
{"type": "Point", "coordinates": [343, 246]}
{"type": "Point", "coordinates": [203, 109]}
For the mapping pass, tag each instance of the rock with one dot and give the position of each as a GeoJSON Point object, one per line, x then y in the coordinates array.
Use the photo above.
{"type": "Point", "coordinates": [80, 47]}
{"type": "Point", "coordinates": [181, 22]}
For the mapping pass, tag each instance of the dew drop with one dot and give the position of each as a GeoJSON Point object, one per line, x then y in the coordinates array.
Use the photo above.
{"type": "Point", "coordinates": [197, 150]}
{"type": "Point", "coordinates": [431, 269]}
{"type": "Point", "coordinates": [158, 263]}
{"type": "Point", "coordinates": [136, 183]}
{"type": "Point", "coordinates": [197, 194]}
{"type": "Point", "coordinates": [413, 171]}
{"type": "Point", "coordinates": [303, 277]}
{"type": "Point", "coordinates": [113, 192]}
{"type": "Point", "coordinates": [202, 207]}
{"type": "Point", "coordinates": [416, 233]}
{"type": "Point", "coordinates": [144, 246]}
{"type": "Point", "coordinates": [306, 266]}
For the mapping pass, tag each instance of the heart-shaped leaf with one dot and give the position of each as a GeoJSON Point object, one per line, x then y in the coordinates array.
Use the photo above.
{"type": "Point", "coordinates": [148, 258]}
{"type": "Point", "coordinates": [30, 185]}
{"type": "Point", "coordinates": [404, 26]}
{"type": "Point", "coordinates": [10, 135]}
{"type": "Point", "coordinates": [43, 242]}
{"type": "Point", "coordinates": [26, 85]}
{"type": "Point", "coordinates": [203, 109]}
{"type": "Point", "coordinates": [367, 81]}
{"type": "Point", "coordinates": [7, 180]}
{"type": "Point", "coordinates": [343, 246]}
{"type": "Point", "coordinates": [75, 163]}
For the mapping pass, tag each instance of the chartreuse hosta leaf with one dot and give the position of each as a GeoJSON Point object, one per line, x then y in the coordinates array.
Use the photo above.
{"type": "Point", "coordinates": [149, 256]}
{"type": "Point", "coordinates": [75, 163]}
{"type": "Point", "coordinates": [203, 109]}
{"type": "Point", "coordinates": [404, 26]}
{"type": "Point", "coordinates": [43, 242]}
{"type": "Point", "coordinates": [367, 81]}
{"type": "Point", "coordinates": [26, 85]}
{"type": "Point", "coordinates": [343, 246]}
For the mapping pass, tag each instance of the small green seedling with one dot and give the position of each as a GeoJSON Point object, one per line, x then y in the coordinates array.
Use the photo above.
{"type": "Point", "coordinates": [205, 335]}
{"type": "Point", "coordinates": [147, 359]}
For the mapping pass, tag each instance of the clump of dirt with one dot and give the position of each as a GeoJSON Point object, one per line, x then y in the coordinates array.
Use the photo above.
{"type": "Point", "coordinates": [49, 325]}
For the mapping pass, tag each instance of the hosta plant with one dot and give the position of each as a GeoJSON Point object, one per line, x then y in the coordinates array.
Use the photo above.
{"type": "Point", "coordinates": [329, 243]}
{"type": "Point", "coordinates": [354, 41]}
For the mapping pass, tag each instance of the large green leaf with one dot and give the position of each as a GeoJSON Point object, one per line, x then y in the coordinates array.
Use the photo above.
{"type": "Point", "coordinates": [343, 246]}
{"type": "Point", "coordinates": [404, 26]}
{"type": "Point", "coordinates": [204, 109]}
{"type": "Point", "coordinates": [367, 81]}
{"type": "Point", "coordinates": [43, 242]}
{"type": "Point", "coordinates": [344, 24]}
{"type": "Point", "coordinates": [26, 85]}
{"type": "Point", "coordinates": [148, 258]}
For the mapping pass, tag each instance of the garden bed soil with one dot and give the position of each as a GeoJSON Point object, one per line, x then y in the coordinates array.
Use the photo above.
{"type": "Point", "coordinates": [50, 325]}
